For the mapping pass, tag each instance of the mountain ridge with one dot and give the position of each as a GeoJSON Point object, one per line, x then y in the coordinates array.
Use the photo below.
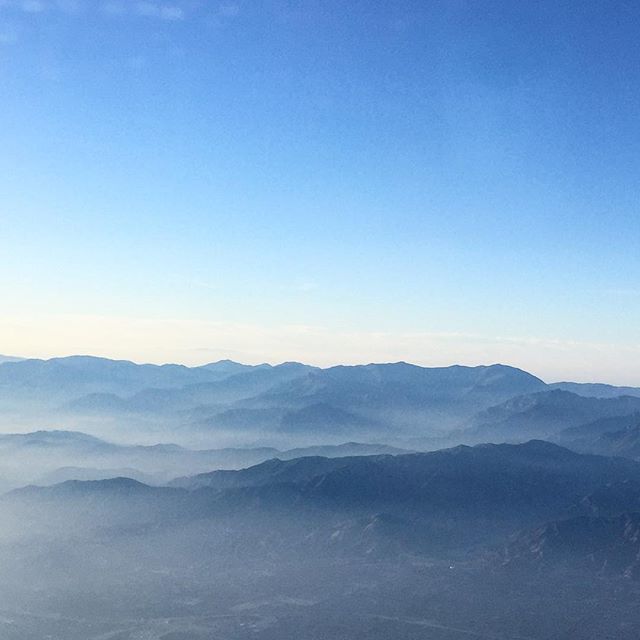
{"type": "Point", "coordinates": [292, 404]}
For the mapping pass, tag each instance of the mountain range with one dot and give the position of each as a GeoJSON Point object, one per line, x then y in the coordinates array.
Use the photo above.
{"type": "Point", "coordinates": [292, 404]}
{"type": "Point", "coordinates": [47, 457]}
{"type": "Point", "coordinates": [527, 540]}
{"type": "Point", "coordinates": [439, 502]}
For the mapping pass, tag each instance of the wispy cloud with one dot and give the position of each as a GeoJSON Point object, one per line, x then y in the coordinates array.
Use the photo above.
{"type": "Point", "coordinates": [301, 286]}
{"type": "Point", "coordinates": [624, 292]}
{"type": "Point", "coordinates": [33, 6]}
{"type": "Point", "coordinates": [25, 6]}
{"type": "Point", "coordinates": [155, 10]}
{"type": "Point", "coordinates": [193, 283]}
{"type": "Point", "coordinates": [229, 9]}
{"type": "Point", "coordinates": [43, 6]}
{"type": "Point", "coordinates": [169, 12]}
{"type": "Point", "coordinates": [8, 35]}
{"type": "Point", "coordinates": [114, 8]}
{"type": "Point", "coordinates": [72, 6]}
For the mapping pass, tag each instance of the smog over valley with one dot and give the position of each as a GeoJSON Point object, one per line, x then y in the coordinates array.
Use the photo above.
{"type": "Point", "coordinates": [319, 320]}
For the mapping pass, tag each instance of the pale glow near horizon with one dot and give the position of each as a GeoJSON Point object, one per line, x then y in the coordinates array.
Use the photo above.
{"type": "Point", "coordinates": [192, 342]}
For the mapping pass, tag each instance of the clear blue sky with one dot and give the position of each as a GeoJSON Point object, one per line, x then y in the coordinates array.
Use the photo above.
{"type": "Point", "coordinates": [323, 180]}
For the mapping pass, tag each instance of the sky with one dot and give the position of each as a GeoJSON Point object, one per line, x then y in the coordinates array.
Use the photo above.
{"type": "Point", "coordinates": [324, 181]}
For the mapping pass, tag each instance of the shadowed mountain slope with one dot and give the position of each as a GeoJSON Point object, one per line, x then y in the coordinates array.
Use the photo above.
{"type": "Point", "coordinates": [448, 498]}
{"type": "Point", "coordinates": [596, 390]}
{"type": "Point", "coordinates": [43, 456]}
{"type": "Point", "coordinates": [603, 545]}
{"type": "Point", "coordinates": [547, 413]}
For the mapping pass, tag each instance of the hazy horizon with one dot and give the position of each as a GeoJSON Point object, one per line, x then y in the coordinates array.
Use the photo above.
{"type": "Point", "coordinates": [321, 364]}
{"type": "Point", "coordinates": [138, 341]}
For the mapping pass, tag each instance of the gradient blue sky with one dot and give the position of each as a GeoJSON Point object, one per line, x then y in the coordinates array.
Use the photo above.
{"type": "Point", "coordinates": [323, 181]}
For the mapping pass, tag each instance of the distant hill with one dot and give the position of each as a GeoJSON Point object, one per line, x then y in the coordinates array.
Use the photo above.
{"type": "Point", "coordinates": [46, 457]}
{"type": "Point", "coordinates": [270, 472]}
{"type": "Point", "coordinates": [123, 374]}
{"type": "Point", "coordinates": [65, 474]}
{"type": "Point", "coordinates": [546, 414]}
{"type": "Point", "coordinates": [401, 388]}
{"type": "Point", "coordinates": [226, 368]}
{"type": "Point", "coordinates": [368, 399]}
{"type": "Point", "coordinates": [608, 436]}
{"type": "Point", "coordinates": [71, 441]}
{"type": "Point", "coordinates": [340, 450]}
{"type": "Point", "coordinates": [625, 442]}
{"type": "Point", "coordinates": [589, 431]}
{"type": "Point", "coordinates": [596, 390]}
